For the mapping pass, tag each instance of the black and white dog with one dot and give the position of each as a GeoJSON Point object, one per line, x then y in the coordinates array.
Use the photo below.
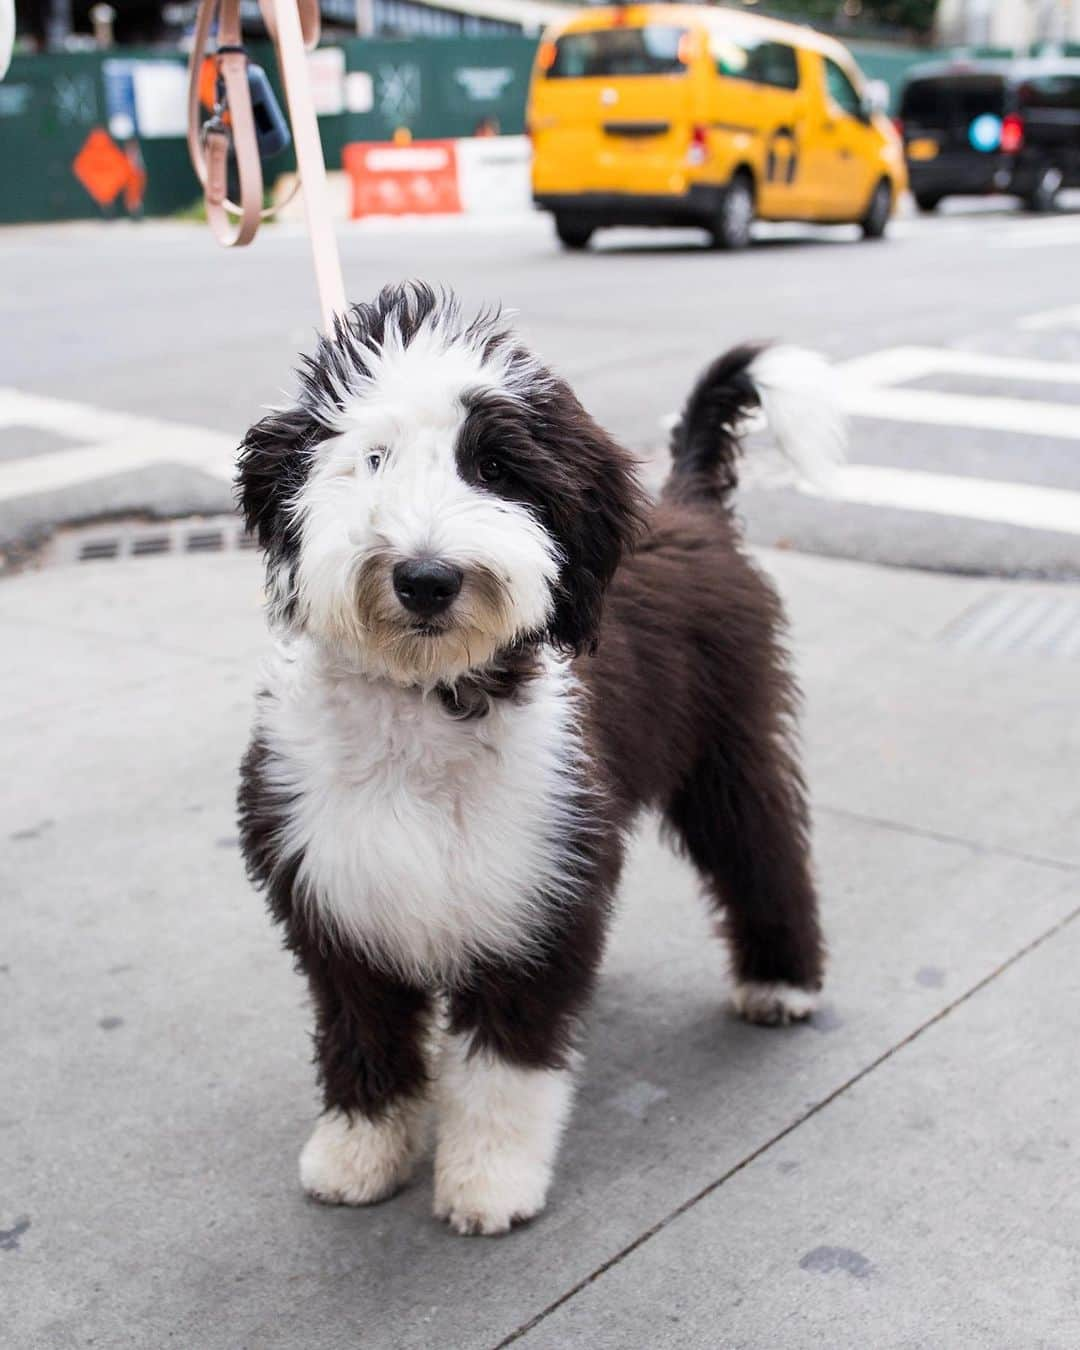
{"type": "Point", "coordinates": [491, 653]}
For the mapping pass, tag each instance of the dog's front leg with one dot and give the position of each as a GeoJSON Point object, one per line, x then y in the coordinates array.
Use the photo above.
{"type": "Point", "coordinates": [505, 1086]}
{"type": "Point", "coordinates": [499, 1130]}
{"type": "Point", "coordinates": [370, 1039]}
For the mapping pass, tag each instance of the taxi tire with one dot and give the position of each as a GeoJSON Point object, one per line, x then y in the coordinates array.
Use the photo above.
{"type": "Point", "coordinates": [927, 203]}
{"type": "Point", "coordinates": [876, 220]}
{"type": "Point", "coordinates": [573, 234]}
{"type": "Point", "coordinates": [1043, 196]}
{"type": "Point", "coordinates": [730, 227]}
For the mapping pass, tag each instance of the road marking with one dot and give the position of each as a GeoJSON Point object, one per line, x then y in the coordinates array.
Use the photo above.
{"type": "Point", "coordinates": [1068, 316]}
{"type": "Point", "coordinates": [113, 442]}
{"type": "Point", "coordinates": [930, 407]}
{"type": "Point", "coordinates": [1037, 234]}
{"type": "Point", "coordinates": [940, 494]}
{"type": "Point", "coordinates": [867, 387]}
{"type": "Point", "coordinates": [896, 365]}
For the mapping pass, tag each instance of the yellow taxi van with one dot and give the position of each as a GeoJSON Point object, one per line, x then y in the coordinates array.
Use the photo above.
{"type": "Point", "coordinates": [668, 114]}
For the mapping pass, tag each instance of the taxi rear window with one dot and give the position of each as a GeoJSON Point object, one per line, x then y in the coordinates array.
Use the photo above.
{"type": "Point", "coordinates": [615, 52]}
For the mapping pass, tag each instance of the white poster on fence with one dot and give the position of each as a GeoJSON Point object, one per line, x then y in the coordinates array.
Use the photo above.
{"type": "Point", "coordinates": [160, 98]}
{"type": "Point", "coordinates": [493, 174]}
{"type": "Point", "coordinates": [326, 66]}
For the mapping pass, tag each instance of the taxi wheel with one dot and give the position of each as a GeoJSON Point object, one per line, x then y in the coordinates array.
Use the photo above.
{"type": "Point", "coordinates": [572, 233]}
{"type": "Point", "coordinates": [876, 220]}
{"type": "Point", "coordinates": [730, 228]}
{"type": "Point", "coordinates": [1043, 197]}
{"type": "Point", "coordinates": [926, 203]}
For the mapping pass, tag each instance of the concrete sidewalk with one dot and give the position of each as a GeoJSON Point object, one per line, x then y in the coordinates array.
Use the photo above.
{"type": "Point", "coordinates": [899, 1173]}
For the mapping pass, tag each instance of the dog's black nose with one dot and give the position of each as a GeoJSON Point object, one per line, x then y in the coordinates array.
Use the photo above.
{"type": "Point", "coordinates": [426, 587]}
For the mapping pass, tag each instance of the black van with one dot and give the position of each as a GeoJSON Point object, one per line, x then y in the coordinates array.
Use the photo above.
{"type": "Point", "coordinates": [975, 127]}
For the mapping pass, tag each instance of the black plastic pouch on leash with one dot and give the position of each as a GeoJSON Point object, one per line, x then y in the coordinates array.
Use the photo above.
{"type": "Point", "coordinates": [271, 125]}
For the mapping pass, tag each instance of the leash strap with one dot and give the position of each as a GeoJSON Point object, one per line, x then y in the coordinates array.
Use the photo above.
{"type": "Point", "coordinates": [209, 145]}
{"type": "Point", "coordinates": [294, 26]}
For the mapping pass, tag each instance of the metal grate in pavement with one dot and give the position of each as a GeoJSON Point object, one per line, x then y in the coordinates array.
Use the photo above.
{"type": "Point", "coordinates": [1046, 625]}
{"type": "Point", "coordinates": [145, 539]}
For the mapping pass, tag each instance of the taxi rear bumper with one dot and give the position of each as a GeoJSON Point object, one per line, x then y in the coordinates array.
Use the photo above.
{"type": "Point", "coordinates": [698, 206]}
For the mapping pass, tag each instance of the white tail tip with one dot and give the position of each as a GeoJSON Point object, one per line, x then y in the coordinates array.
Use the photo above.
{"type": "Point", "coordinates": [801, 400]}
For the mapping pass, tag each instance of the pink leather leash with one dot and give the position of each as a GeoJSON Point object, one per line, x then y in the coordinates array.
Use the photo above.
{"type": "Point", "coordinates": [294, 27]}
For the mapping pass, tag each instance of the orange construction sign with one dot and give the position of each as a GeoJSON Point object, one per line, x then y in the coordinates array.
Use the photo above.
{"type": "Point", "coordinates": [102, 167]}
{"type": "Point", "coordinates": [418, 178]}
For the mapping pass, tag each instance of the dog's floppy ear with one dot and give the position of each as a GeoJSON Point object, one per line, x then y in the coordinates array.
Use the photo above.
{"type": "Point", "coordinates": [272, 466]}
{"type": "Point", "coordinates": [596, 519]}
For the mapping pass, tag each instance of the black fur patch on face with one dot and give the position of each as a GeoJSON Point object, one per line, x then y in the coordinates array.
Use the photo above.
{"type": "Point", "coordinates": [544, 451]}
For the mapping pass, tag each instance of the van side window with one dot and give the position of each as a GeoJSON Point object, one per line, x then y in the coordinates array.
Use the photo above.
{"type": "Point", "coordinates": [771, 63]}
{"type": "Point", "coordinates": [841, 90]}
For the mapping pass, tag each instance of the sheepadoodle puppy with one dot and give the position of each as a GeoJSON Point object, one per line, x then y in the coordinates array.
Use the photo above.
{"type": "Point", "coordinates": [491, 653]}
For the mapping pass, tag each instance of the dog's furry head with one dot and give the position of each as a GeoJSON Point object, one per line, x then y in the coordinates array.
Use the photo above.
{"type": "Point", "coordinates": [420, 436]}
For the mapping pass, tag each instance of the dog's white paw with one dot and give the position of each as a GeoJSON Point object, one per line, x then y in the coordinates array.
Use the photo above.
{"type": "Point", "coordinates": [493, 1201]}
{"type": "Point", "coordinates": [773, 1004]}
{"type": "Point", "coordinates": [357, 1161]}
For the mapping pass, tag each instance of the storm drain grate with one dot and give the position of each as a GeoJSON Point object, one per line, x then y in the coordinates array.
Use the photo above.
{"type": "Point", "coordinates": [1048, 625]}
{"type": "Point", "coordinates": [143, 539]}
{"type": "Point", "coordinates": [99, 548]}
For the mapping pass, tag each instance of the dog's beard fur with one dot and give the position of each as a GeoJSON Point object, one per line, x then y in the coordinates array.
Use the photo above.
{"type": "Point", "coordinates": [440, 650]}
{"type": "Point", "coordinates": [346, 598]}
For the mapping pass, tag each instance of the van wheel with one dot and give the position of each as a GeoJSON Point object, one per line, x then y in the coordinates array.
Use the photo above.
{"type": "Point", "coordinates": [1043, 196]}
{"type": "Point", "coordinates": [730, 228]}
{"type": "Point", "coordinates": [572, 233]}
{"type": "Point", "coordinates": [926, 203]}
{"type": "Point", "coordinates": [876, 220]}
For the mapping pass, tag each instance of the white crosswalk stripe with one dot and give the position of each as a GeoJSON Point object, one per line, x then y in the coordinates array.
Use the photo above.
{"type": "Point", "coordinates": [870, 391]}
{"type": "Point", "coordinates": [109, 443]}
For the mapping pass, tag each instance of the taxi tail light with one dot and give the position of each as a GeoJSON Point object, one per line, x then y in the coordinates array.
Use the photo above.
{"type": "Point", "coordinates": [898, 126]}
{"type": "Point", "coordinates": [1012, 134]}
{"type": "Point", "coordinates": [699, 145]}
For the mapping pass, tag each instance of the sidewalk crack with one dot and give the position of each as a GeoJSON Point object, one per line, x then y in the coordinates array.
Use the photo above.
{"type": "Point", "coordinates": [942, 837]}
{"type": "Point", "coordinates": [780, 1135]}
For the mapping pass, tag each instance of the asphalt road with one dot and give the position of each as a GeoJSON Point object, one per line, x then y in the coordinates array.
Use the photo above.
{"type": "Point", "coordinates": [132, 358]}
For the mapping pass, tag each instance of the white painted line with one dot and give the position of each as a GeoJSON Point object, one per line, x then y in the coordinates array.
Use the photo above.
{"type": "Point", "coordinates": [116, 443]}
{"type": "Point", "coordinates": [1068, 316]}
{"type": "Point", "coordinates": [1038, 234]}
{"type": "Point", "coordinates": [1019, 504]}
{"type": "Point", "coordinates": [1022, 417]}
{"type": "Point", "coordinates": [896, 365]}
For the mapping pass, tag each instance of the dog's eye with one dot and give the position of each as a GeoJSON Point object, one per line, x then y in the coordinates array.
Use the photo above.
{"type": "Point", "coordinates": [491, 470]}
{"type": "Point", "coordinates": [374, 460]}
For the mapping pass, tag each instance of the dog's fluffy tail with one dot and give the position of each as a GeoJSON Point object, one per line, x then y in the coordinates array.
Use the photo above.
{"type": "Point", "coordinates": [795, 389]}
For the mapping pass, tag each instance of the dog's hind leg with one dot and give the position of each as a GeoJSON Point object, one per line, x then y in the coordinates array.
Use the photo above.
{"type": "Point", "coordinates": [370, 1049]}
{"type": "Point", "coordinates": [740, 816]}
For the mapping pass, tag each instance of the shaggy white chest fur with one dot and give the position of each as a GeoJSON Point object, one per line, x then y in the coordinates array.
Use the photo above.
{"type": "Point", "coordinates": [425, 839]}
